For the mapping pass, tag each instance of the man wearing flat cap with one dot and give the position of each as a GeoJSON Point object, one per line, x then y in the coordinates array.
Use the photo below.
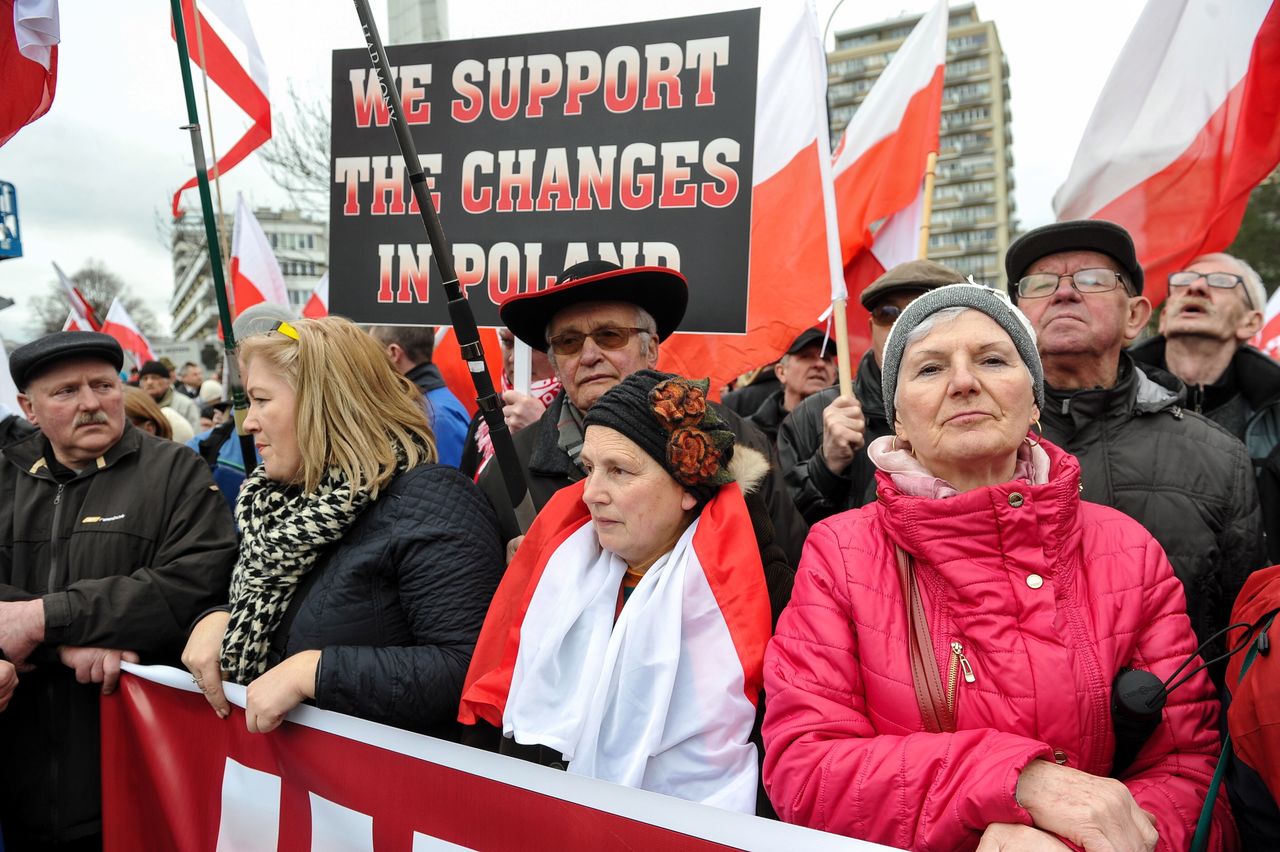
{"type": "Point", "coordinates": [1183, 477]}
{"type": "Point", "coordinates": [153, 378]}
{"type": "Point", "coordinates": [808, 366]}
{"type": "Point", "coordinates": [112, 541]}
{"type": "Point", "coordinates": [599, 324]}
{"type": "Point", "coordinates": [822, 443]}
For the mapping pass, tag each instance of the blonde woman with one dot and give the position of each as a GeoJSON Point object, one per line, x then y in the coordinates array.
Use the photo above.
{"type": "Point", "coordinates": [365, 568]}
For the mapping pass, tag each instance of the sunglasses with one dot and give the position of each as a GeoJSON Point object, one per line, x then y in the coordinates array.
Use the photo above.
{"type": "Point", "coordinates": [885, 315]}
{"type": "Point", "coordinates": [606, 337]}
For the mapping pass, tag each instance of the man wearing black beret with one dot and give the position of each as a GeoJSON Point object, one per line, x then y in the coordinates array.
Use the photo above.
{"type": "Point", "coordinates": [1183, 477]}
{"type": "Point", "coordinates": [111, 542]}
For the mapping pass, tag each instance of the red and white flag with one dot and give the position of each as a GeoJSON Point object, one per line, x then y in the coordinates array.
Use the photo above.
{"type": "Point", "coordinates": [76, 322]}
{"type": "Point", "coordinates": [318, 305]}
{"type": "Point", "coordinates": [80, 307]}
{"type": "Point", "coordinates": [121, 326]}
{"type": "Point", "coordinates": [255, 272]}
{"type": "Point", "coordinates": [247, 88]}
{"type": "Point", "coordinates": [557, 663]}
{"type": "Point", "coordinates": [1186, 126]}
{"type": "Point", "coordinates": [28, 62]}
{"type": "Point", "coordinates": [1268, 339]}
{"type": "Point", "coordinates": [880, 163]}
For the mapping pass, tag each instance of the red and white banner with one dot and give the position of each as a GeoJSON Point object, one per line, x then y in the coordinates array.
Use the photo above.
{"type": "Point", "coordinates": [318, 305]}
{"type": "Point", "coordinates": [176, 777]}
{"type": "Point", "coordinates": [121, 326]}
{"type": "Point", "coordinates": [28, 62]}
{"type": "Point", "coordinates": [795, 250]}
{"type": "Point", "coordinates": [1268, 338]}
{"type": "Point", "coordinates": [81, 310]}
{"type": "Point", "coordinates": [248, 89]}
{"type": "Point", "coordinates": [255, 272]}
{"type": "Point", "coordinates": [1186, 126]}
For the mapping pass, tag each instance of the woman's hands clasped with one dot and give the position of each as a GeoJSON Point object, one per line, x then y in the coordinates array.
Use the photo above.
{"type": "Point", "coordinates": [1098, 814]}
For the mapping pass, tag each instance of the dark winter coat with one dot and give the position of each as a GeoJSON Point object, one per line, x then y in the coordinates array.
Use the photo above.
{"type": "Point", "coordinates": [818, 491]}
{"type": "Point", "coordinates": [548, 468]}
{"type": "Point", "coordinates": [396, 605]}
{"type": "Point", "coordinates": [1246, 402]}
{"type": "Point", "coordinates": [125, 555]}
{"type": "Point", "coordinates": [1181, 476]}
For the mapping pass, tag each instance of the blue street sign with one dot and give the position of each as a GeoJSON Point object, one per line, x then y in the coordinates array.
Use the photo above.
{"type": "Point", "coordinates": [10, 233]}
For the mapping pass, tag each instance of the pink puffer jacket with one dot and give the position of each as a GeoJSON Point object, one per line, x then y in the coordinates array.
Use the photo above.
{"type": "Point", "coordinates": [1047, 597]}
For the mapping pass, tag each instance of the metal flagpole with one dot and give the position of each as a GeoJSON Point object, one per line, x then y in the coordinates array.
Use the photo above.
{"type": "Point", "coordinates": [464, 321]}
{"type": "Point", "coordinates": [239, 401]}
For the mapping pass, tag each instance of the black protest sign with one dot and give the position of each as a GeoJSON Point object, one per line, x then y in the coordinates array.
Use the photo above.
{"type": "Point", "coordinates": [628, 143]}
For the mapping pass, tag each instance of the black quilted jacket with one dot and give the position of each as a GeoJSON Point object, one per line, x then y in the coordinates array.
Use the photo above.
{"type": "Point", "coordinates": [397, 604]}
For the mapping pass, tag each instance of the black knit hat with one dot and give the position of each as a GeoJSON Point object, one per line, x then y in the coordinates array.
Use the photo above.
{"type": "Point", "coordinates": [668, 417]}
{"type": "Point", "coordinates": [153, 368]}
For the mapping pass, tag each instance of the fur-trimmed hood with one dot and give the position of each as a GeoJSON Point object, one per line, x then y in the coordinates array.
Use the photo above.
{"type": "Point", "coordinates": [749, 467]}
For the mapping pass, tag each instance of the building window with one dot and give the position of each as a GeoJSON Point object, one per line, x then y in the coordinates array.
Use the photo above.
{"type": "Point", "coordinates": [964, 44]}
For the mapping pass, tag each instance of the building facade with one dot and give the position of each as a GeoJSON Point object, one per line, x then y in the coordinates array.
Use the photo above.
{"type": "Point", "coordinates": [301, 247]}
{"type": "Point", "coordinates": [415, 21]}
{"type": "Point", "coordinates": [973, 218]}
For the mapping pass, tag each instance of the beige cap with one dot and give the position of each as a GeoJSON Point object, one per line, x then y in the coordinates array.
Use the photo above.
{"type": "Point", "coordinates": [912, 275]}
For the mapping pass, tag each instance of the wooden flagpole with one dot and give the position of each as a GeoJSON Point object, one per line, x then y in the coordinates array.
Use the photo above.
{"type": "Point", "coordinates": [926, 209]}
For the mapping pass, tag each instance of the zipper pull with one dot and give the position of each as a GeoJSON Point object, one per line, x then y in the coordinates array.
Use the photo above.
{"type": "Point", "coordinates": [958, 650]}
{"type": "Point", "coordinates": [57, 498]}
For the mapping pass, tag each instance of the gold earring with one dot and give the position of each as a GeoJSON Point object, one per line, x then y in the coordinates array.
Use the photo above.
{"type": "Point", "coordinates": [1036, 425]}
{"type": "Point", "coordinates": [893, 446]}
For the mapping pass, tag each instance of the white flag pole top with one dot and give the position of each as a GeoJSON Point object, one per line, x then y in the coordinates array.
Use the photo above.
{"type": "Point", "coordinates": [523, 367]}
{"type": "Point", "coordinates": [1175, 71]}
{"type": "Point", "coordinates": [36, 28]}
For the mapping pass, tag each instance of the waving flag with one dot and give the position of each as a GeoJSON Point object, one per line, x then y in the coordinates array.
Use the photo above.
{"type": "Point", "coordinates": [318, 305]}
{"type": "Point", "coordinates": [85, 316]}
{"type": "Point", "coordinates": [76, 322]}
{"type": "Point", "coordinates": [1268, 339]}
{"type": "Point", "coordinates": [255, 273]}
{"type": "Point", "coordinates": [880, 163]}
{"type": "Point", "coordinates": [28, 62]}
{"type": "Point", "coordinates": [248, 89]}
{"type": "Point", "coordinates": [1186, 126]}
{"type": "Point", "coordinates": [122, 327]}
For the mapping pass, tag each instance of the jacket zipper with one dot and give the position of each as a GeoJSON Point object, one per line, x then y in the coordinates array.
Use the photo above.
{"type": "Point", "coordinates": [53, 539]}
{"type": "Point", "coordinates": [958, 664]}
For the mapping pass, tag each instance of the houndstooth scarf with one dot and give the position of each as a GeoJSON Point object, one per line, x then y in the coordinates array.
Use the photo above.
{"type": "Point", "coordinates": [284, 530]}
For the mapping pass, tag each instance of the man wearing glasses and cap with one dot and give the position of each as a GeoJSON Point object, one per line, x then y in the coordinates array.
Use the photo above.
{"type": "Point", "coordinates": [599, 324]}
{"type": "Point", "coordinates": [821, 444]}
{"type": "Point", "coordinates": [1184, 478]}
{"type": "Point", "coordinates": [1214, 307]}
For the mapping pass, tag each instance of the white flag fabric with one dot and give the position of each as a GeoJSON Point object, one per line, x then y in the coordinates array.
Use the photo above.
{"type": "Point", "coordinates": [121, 326]}
{"type": "Point", "coordinates": [255, 272]}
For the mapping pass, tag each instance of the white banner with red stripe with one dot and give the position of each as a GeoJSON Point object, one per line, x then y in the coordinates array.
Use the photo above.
{"type": "Point", "coordinates": [177, 777]}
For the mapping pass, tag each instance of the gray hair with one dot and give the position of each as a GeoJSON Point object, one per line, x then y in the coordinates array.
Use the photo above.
{"type": "Point", "coordinates": [644, 320]}
{"type": "Point", "coordinates": [1254, 290]}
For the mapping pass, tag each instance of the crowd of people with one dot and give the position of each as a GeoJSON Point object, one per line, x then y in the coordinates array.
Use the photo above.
{"type": "Point", "coordinates": [914, 615]}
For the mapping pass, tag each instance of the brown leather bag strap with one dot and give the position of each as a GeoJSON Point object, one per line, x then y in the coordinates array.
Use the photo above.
{"type": "Point", "coordinates": [925, 676]}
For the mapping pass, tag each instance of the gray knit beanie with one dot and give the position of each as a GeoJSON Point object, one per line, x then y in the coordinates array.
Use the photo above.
{"type": "Point", "coordinates": [991, 302]}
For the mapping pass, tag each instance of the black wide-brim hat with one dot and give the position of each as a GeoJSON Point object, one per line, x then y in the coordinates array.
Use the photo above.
{"type": "Point", "coordinates": [662, 292]}
{"type": "Point", "coordinates": [1074, 235]}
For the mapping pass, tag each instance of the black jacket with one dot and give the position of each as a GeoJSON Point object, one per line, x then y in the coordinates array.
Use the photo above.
{"type": "Point", "coordinates": [817, 490]}
{"type": "Point", "coordinates": [396, 605]}
{"type": "Point", "coordinates": [769, 415]}
{"type": "Point", "coordinates": [1246, 402]}
{"type": "Point", "coordinates": [1181, 476]}
{"type": "Point", "coordinates": [125, 555]}
{"type": "Point", "coordinates": [548, 468]}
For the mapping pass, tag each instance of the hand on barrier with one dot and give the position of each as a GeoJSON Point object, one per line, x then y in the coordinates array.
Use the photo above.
{"type": "Point", "coordinates": [1011, 837]}
{"type": "Point", "coordinates": [271, 696]}
{"type": "Point", "coordinates": [1096, 813]}
{"type": "Point", "coordinates": [203, 658]}
{"type": "Point", "coordinates": [96, 665]}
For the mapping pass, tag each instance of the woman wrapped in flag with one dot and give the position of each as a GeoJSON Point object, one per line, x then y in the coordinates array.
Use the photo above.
{"type": "Point", "coordinates": [627, 637]}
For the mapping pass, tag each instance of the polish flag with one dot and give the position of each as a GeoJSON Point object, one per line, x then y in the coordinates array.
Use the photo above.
{"type": "Point", "coordinates": [80, 306]}
{"type": "Point", "coordinates": [1268, 339]}
{"type": "Point", "coordinates": [76, 322]}
{"type": "Point", "coordinates": [881, 160]}
{"type": "Point", "coordinates": [121, 326]}
{"type": "Point", "coordinates": [318, 305]}
{"type": "Point", "coordinates": [28, 62]}
{"type": "Point", "coordinates": [1186, 126]}
{"type": "Point", "coordinates": [795, 250]}
{"type": "Point", "coordinates": [248, 89]}
{"type": "Point", "coordinates": [255, 273]}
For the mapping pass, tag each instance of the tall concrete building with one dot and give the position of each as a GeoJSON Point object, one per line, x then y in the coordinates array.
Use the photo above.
{"type": "Point", "coordinates": [973, 217]}
{"type": "Point", "coordinates": [300, 244]}
{"type": "Point", "coordinates": [414, 21]}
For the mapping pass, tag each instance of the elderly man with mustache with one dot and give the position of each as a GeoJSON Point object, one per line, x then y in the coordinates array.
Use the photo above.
{"type": "Point", "coordinates": [112, 541]}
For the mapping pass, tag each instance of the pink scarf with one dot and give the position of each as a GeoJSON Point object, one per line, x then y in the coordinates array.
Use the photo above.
{"type": "Point", "coordinates": [912, 478]}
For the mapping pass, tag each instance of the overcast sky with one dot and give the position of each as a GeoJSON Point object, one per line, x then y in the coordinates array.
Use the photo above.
{"type": "Point", "coordinates": [95, 175]}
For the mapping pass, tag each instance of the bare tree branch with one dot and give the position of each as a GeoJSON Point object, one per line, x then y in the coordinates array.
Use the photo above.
{"type": "Point", "coordinates": [99, 286]}
{"type": "Point", "coordinates": [297, 156]}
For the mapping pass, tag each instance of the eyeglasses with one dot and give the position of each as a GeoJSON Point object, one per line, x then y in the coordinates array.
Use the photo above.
{"type": "Point", "coordinates": [1082, 281]}
{"type": "Point", "coordinates": [885, 315]}
{"type": "Point", "coordinates": [606, 337]}
{"type": "Point", "coordinates": [1221, 280]}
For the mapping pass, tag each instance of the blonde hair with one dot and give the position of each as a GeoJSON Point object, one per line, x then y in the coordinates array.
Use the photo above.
{"type": "Point", "coordinates": [353, 407]}
{"type": "Point", "coordinates": [138, 405]}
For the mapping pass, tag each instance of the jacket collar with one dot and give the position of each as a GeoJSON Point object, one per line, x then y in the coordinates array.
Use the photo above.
{"type": "Point", "coordinates": [1137, 391]}
{"type": "Point", "coordinates": [547, 458]}
{"type": "Point", "coordinates": [29, 454]}
{"type": "Point", "coordinates": [426, 376]}
{"type": "Point", "coordinates": [1251, 374]}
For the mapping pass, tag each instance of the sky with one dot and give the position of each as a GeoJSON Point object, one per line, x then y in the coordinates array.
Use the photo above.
{"type": "Point", "coordinates": [95, 175]}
